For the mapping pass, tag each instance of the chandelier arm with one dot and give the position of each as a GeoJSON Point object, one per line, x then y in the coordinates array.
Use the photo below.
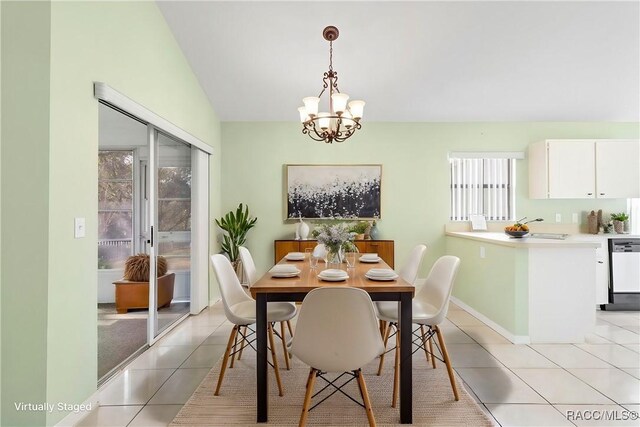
{"type": "Point", "coordinates": [307, 131]}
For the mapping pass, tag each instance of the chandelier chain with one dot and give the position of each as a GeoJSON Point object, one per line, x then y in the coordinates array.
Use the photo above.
{"type": "Point", "coordinates": [331, 56]}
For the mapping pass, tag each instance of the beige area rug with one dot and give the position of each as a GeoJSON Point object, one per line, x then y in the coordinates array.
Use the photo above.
{"type": "Point", "coordinates": [433, 402]}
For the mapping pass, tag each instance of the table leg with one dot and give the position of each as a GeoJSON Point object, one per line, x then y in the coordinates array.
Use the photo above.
{"type": "Point", "coordinates": [406, 375]}
{"type": "Point", "coordinates": [261, 358]}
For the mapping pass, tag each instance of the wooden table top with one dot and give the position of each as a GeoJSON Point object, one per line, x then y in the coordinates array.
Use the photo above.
{"type": "Point", "coordinates": [308, 280]}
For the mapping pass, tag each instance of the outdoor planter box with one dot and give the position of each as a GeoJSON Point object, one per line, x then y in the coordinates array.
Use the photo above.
{"type": "Point", "coordinates": [136, 294]}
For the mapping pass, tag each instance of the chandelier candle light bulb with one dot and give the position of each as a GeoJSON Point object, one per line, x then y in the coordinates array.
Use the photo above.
{"type": "Point", "coordinates": [343, 119]}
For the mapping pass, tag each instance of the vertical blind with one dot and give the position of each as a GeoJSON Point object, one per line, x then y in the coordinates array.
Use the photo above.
{"type": "Point", "coordinates": [482, 186]}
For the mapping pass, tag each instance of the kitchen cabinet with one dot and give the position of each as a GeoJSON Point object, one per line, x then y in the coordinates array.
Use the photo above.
{"type": "Point", "coordinates": [384, 248]}
{"type": "Point", "coordinates": [584, 169]}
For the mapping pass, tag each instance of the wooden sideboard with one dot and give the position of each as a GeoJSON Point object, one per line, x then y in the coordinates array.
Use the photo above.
{"type": "Point", "coordinates": [384, 248]}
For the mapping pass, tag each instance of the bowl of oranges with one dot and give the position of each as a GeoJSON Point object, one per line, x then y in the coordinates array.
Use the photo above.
{"type": "Point", "coordinates": [520, 228]}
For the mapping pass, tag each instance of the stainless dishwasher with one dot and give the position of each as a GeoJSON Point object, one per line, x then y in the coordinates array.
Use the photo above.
{"type": "Point", "coordinates": [624, 274]}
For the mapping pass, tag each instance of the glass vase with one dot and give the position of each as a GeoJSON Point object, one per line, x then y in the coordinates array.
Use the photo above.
{"type": "Point", "coordinates": [334, 258]}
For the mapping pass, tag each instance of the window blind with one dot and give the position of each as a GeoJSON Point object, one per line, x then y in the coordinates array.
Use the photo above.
{"type": "Point", "coordinates": [482, 186]}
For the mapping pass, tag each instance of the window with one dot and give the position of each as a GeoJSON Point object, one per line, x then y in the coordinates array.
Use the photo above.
{"type": "Point", "coordinates": [174, 216]}
{"type": "Point", "coordinates": [115, 208]}
{"type": "Point", "coordinates": [482, 185]}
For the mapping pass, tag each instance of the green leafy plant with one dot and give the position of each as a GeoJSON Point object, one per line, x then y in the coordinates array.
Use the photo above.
{"type": "Point", "coordinates": [359, 227]}
{"type": "Point", "coordinates": [235, 225]}
{"type": "Point", "coordinates": [619, 216]}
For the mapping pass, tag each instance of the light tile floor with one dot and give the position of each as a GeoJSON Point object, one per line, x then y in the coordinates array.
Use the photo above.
{"type": "Point", "coordinates": [517, 385]}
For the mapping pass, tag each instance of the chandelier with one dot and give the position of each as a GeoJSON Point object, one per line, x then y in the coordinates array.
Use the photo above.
{"type": "Point", "coordinates": [342, 120]}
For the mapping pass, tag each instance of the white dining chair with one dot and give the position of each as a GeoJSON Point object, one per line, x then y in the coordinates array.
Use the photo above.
{"type": "Point", "coordinates": [409, 273]}
{"type": "Point", "coordinates": [336, 332]}
{"type": "Point", "coordinates": [430, 306]}
{"type": "Point", "coordinates": [240, 309]}
{"type": "Point", "coordinates": [251, 274]}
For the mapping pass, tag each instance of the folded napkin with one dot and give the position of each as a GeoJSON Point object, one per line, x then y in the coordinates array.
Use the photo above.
{"type": "Point", "coordinates": [284, 268]}
{"type": "Point", "coordinates": [369, 256]}
{"type": "Point", "coordinates": [381, 272]}
{"type": "Point", "coordinates": [333, 272]}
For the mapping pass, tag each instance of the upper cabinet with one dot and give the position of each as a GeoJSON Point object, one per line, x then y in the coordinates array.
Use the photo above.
{"type": "Point", "coordinates": [584, 169]}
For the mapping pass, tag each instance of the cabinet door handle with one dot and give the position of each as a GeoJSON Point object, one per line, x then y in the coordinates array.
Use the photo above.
{"type": "Point", "coordinates": [589, 194]}
{"type": "Point", "coordinates": [602, 194]}
{"type": "Point", "coordinates": [600, 262]}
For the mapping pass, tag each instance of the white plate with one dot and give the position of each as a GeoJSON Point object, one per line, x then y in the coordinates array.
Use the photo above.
{"type": "Point", "coordinates": [295, 256]}
{"type": "Point", "coordinates": [381, 278]}
{"type": "Point", "coordinates": [370, 260]}
{"type": "Point", "coordinates": [284, 268]}
{"type": "Point", "coordinates": [333, 279]}
{"type": "Point", "coordinates": [281, 274]}
{"type": "Point", "coordinates": [333, 272]}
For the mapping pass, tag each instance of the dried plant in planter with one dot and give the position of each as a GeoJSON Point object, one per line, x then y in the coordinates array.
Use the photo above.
{"type": "Point", "coordinates": [137, 268]}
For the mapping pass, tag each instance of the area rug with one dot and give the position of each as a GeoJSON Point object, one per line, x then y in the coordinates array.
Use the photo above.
{"type": "Point", "coordinates": [433, 402]}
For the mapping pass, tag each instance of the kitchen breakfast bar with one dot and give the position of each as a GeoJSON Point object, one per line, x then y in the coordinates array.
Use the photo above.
{"type": "Point", "coordinates": [529, 290]}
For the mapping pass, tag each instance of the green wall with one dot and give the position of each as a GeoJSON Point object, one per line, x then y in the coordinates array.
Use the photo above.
{"type": "Point", "coordinates": [501, 295]}
{"type": "Point", "coordinates": [25, 205]}
{"type": "Point", "coordinates": [415, 188]}
{"type": "Point", "coordinates": [129, 46]}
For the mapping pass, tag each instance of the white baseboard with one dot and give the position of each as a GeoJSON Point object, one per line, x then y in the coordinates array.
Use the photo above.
{"type": "Point", "coordinates": [74, 418]}
{"type": "Point", "coordinates": [212, 302]}
{"type": "Point", "coordinates": [516, 339]}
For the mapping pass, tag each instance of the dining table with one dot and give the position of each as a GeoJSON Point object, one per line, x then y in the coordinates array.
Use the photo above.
{"type": "Point", "coordinates": [294, 289]}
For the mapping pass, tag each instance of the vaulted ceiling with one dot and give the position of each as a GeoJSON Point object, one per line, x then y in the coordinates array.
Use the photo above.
{"type": "Point", "coordinates": [417, 61]}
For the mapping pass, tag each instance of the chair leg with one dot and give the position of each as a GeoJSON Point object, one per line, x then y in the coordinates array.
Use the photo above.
{"type": "Point", "coordinates": [424, 343]}
{"type": "Point", "coordinates": [284, 347]}
{"type": "Point", "coordinates": [396, 372]}
{"type": "Point", "coordinates": [275, 359]}
{"type": "Point", "coordinates": [290, 328]}
{"type": "Point", "coordinates": [307, 398]}
{"type": "Point", "coordinates": [433, 359]}
{"type": "Point", "coordinates": [223, 367]}
{"type": "Point", "coordinates": [383, 327]}
{"type": "Point", "coordinates": [365, 399]}
{"type": "Point", "coordinates": [445, 355]}
{"type": "Point", "coordinates": [244, 333]}
{"type": "Point", "coordinates": [387, 330]}
{"type": "Point", "coordinates": [235, 346]}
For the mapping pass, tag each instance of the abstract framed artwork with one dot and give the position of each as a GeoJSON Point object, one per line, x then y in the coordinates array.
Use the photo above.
{"type": "Point", "coordinates": [333, 191]}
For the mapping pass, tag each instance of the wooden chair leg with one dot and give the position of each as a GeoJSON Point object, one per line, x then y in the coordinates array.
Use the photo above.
{"type": "Point", "coordinates": [309, 378]}
{"type": "Point", "coordinates": [424, 343]}
{"type": "Point", "coordinates": [307, 398]}
{"type": "Point", "coordinates": [284, 347]}
{"type": "Point", "coordinates": [365, 399]}
{"type": "Point", "coordinates": [396, 372]}
{"type": "Point", "coordinates": [275, 359]}
{"type": "Point", "coordinates": [235, 346]}
{"type": "Point", "coordinates": [386, 339]}
{"type": "Point", "coordinates": [223, 367]}
{"type": "Point", "coordinates": [383, 327]}
{"type": "Point", "coordinates": [433, 359]}
{"type": "Point", "coordinates": [445, 356]}
{"type": "Point", "coordinates": [244, 333]}
{"type": "Point", "coordinates": [290, 328]}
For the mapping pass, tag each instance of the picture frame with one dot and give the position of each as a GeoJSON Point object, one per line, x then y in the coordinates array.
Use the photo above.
{"type": "Point", "coordinates": [333, 191]}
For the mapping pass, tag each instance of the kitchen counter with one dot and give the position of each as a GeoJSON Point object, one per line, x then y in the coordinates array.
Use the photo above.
{"type": "Point", "coordinates": [530, 290]}
{"type": "Point", "coordinates": [572, 241]}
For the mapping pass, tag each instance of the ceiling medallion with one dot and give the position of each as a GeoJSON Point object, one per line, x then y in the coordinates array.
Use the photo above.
{"type": "Point", "coordinates": [342, 120]}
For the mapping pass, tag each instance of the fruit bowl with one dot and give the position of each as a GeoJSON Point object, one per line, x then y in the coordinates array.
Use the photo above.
{"type": "Point", "coordinates": [517, 234]}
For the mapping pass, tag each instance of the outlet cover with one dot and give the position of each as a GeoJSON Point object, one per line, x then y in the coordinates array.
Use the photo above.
{"type": "Point", "coordinates": [574, 218]}
{"type": "Point", "coordinates": [482, 252]}
{"type": "Point", "coordinates": [558, 217]}
{"type": "Point", "coordinates": [79, 228]}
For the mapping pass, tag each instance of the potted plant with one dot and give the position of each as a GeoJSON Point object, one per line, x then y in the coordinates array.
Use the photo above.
{"type": "Point", "coordinates": [359, 228]}
{"type": "Point", "coordinates": [618, 221]}
{"type": "Point", "coordinates": [235, 225]}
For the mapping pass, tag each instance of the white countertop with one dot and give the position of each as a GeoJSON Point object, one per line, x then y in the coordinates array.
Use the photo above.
{"type": "Point", "coordinates": [572, 241]}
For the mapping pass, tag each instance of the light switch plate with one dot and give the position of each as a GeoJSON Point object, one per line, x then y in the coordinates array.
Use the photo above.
{"type": "Point", "coordinates": [558, 217]}
{"type": "Point", "coordinates": [483, 253]}
{"type": "Point", "coordinates": [78, 228]}
{"type": "Point", "coordinates": [574, 218]}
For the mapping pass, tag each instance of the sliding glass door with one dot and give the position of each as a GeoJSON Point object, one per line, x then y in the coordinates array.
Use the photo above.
{"type": "Point", "coordinates": [172, 230]}
{"type": "Point", "coordinates": [152, 195]}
